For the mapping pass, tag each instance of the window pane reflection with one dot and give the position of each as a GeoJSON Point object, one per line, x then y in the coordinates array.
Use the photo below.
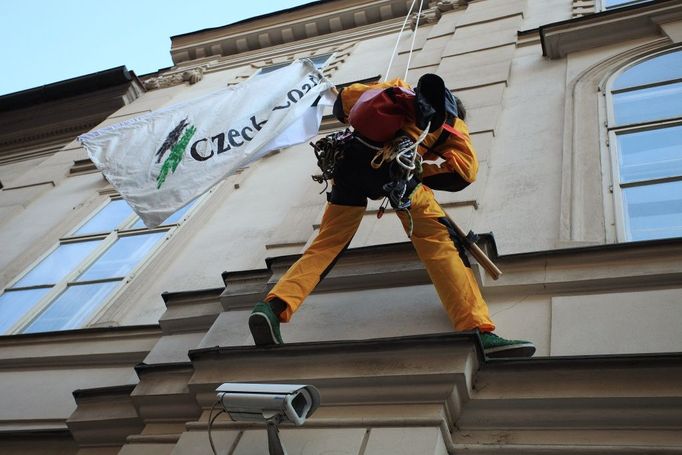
{"type": "Point", "coordinates": [73, 307]}
{"type": "Point", "coordinates": [650, 154]}
{"type": "Point", "coordinates": [107, 219]}
{"type": "Point", "coordinates": [122, 256]}
{"type": "Point", "coordinates": [58, 264]}
{"type": "Point", "coordinates": [319, 62]}
{"type": "Point", "coordinates": [617, 3]}
{"type": "Point", "coordinates": [15, 304]}
{"type": "Point", "coordinates": [658, 69]}
{"type": "Point", "coordinates": [653, 211]}
{"type": "Point", "coordinates": [655, 103]}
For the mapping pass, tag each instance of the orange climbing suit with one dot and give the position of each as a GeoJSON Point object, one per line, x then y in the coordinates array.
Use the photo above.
{"type": "Point", "coordinates": [454, 281]}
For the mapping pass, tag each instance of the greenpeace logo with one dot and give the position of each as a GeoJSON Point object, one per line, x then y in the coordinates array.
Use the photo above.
{"type": "Point", "coordinates": [177, 145]}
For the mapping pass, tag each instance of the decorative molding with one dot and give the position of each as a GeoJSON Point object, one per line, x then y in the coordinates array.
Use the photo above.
{"type": "Point", "coordinates": [338, 53]}
{"type": "Point", "coordinates": [448, 5]}
{"type": "Point", "coordinates": [609, 27]}
{"type": "Point", "coordinates": [581, 8]}
{"type": "Point", "coordinates": [192, 76]}
{"type": "Point", "coordinates": [307, 22]}
{"type": "Point", "coordinates": [429, 16]}
{"type": "Point", "coordinates": [84, 166]}
{"type": "Point", "coordinates": [434, 11]}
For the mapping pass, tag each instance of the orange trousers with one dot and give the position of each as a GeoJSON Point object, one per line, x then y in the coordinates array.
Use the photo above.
{"type": "Point", "coordinates": [454, 282]}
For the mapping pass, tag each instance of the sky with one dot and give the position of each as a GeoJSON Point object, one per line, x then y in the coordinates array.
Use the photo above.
{"type": "Point", "coordinates": [46, 41]}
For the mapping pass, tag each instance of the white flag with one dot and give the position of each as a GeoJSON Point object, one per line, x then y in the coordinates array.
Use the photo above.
{"type": "Point", "coordinates": [162, 160]}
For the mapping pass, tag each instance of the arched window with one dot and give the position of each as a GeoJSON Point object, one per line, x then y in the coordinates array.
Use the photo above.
{"type": "Point", "coordinates": [645, 132]}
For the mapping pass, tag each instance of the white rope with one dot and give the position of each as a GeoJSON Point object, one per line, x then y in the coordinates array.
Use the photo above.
{"type": "Point", "coordinates": [395, 48]}
{"type": "Point", "coordinates": [414, 36]}
{"type": "Point", "coordinates": [410, 165]}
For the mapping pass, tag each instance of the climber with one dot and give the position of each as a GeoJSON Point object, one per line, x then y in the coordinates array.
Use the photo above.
{"type": "Point", "coordinates": [390, 122]}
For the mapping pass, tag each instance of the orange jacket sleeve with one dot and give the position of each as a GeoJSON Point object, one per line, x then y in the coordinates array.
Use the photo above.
{"type": "Point", "coordinates": [459, 166]}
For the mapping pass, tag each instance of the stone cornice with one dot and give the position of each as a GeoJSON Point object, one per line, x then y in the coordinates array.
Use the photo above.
{"type": "Point", "coordinates": [318, 19]}
{"type": "Point", "coordinates": [609, 27]}
{"type": "Point", "coordinates": [370, 371]}
{"type": "Point", "coordinates": [56, 113]}
{"type": "Point", "coordinates": [308, 21]}
{"type": "Point", "coordinates": [84, 347]}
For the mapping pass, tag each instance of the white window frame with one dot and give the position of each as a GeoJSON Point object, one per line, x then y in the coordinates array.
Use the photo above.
{"type": "Point", "coordinates": [108, 239]}
{"type": "Point", "coordinates": [612, 130]}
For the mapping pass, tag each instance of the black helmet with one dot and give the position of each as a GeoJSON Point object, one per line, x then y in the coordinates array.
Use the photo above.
{"type": "Point", "coordinates": [434, 102]}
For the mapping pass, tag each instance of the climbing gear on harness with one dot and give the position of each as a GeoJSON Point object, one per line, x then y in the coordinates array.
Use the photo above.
{"type": "Point", "coordinates": [329, 151]}
{"type": "Point", "coordinates": [400, 157]}
{"type": "Point", "coordinates": [401, 163]}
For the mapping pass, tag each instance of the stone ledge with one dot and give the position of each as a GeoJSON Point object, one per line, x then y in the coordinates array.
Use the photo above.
{"type": "Point", "coordinates": [81, 347]}
{"type": "Point", "coordinates": [608, 27]}
{"type": "Point", "coordinates": [104, 417]}
{"type": "Point", "coordinates": [414, 369]}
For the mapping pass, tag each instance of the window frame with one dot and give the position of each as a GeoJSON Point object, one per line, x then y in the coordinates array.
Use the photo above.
{"type": "Point", "coordinates": [621, 5]}
{"type": "Point", "coordinates": [108, 239]}
{"type": "Point", "coordinates": [330, 57]}
{"type": "Point", "coordinates": [612, 129]}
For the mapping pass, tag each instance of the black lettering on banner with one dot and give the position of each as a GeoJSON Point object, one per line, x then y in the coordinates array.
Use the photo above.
{"type": "Point", "coordinates": [294, 95]}
{"type": "Point", "coordinates": [299, 95]}
{"type": "Point", "coordinates": [195, 153]}
{"type": "Point", "coordinates": [244, 135]}
{"type": "Point", "coordinates": [282, 106]}
{"type": "Point", "coordinates": [237, 137]}
{"type": "Point", "coordinates": [257, 125]}
{"type": "Point", "coordinates": [221, 143]}
{"type": "Point", "coordinates": [232, 136]}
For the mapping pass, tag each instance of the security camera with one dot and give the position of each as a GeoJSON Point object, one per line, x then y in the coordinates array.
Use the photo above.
{"type": "Point", "coordinates": [269, 403]}
{"type": "Point", "coordinates": [261, 402]}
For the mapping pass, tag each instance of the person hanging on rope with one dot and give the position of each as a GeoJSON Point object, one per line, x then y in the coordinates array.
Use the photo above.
{"type": "Point", "coordinates": [374, 162]}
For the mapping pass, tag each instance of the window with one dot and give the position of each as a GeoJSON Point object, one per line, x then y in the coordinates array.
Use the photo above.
{"type": "Point", "coordinates": [610, 4]}
{"type": "Point", "coordinates": [645, 133]}
{"type": "Point", "coordinates": [67, 288]}
{"type": "Point", "coordinates": [319, 61]}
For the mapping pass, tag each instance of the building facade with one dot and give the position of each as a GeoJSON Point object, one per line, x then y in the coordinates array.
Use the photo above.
{"type": "Point", "coordinates": [115, 336]}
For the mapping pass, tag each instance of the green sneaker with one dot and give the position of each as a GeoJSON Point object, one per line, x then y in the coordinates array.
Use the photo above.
{"type": "Point", "coordinates": [264, 325]}
{"type": "Point", "coordinates": [496, 347]}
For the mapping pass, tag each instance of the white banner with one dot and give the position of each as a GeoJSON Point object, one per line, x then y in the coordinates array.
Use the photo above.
{"type": "Point", "coordinates": [162, 160]}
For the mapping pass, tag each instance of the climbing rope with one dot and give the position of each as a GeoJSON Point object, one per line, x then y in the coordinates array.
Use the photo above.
{"type": "Point", "coordinates": [400, 151]}
{"type": "Point", "coordinates": [402, 155]}
{"type": "Point", "coordinates": [400, 34]}
{"type": "Point", "coordinates": [414, 36]}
